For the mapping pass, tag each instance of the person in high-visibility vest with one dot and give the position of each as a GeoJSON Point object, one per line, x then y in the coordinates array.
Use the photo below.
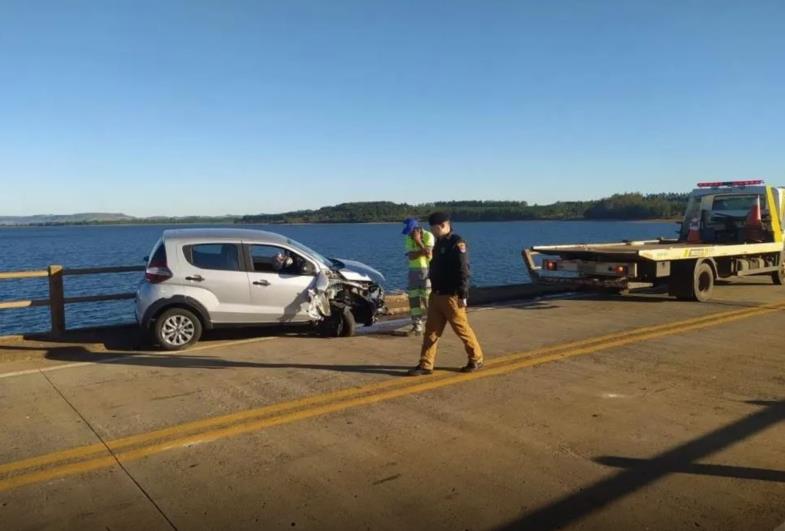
{"type": "Point", "coordinates": [419, 244]}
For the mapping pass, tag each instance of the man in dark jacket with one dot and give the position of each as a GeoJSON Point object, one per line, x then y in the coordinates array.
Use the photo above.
{"type": "Point", "coordinates": [449, 272]}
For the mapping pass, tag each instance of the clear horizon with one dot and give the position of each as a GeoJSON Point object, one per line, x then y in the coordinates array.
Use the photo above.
{"type": "Point", "coordinates": [268, 213]}
{"type": "Point", "coordinates": [261, 107]}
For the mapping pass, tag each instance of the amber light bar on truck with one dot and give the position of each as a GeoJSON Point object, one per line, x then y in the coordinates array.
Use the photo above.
{"type": "Point", "coordinates": [718, 184]}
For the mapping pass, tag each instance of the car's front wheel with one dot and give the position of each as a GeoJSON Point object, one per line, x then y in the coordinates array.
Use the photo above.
{"type": "Point", "coordinates": [341, 323]}
{"type": "Point", "coordinates": [177, 328]}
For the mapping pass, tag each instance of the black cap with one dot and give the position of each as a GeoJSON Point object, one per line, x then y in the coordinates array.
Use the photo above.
{"type": "Point", "coordinates": [437, 218]}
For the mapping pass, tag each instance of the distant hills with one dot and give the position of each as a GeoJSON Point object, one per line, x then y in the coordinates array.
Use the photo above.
{"type": "Point", "coordinates": [630, 206]}
{"type": "Point", "coordinates": [59, 219]}
{"type": "Point", "coordinates": [105, 218]}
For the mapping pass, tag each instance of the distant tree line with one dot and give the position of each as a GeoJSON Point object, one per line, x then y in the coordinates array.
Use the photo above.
{"type": "Point", "coordinates": [629, 206]}
{"type": "Point", "coordinates": [638, 206]}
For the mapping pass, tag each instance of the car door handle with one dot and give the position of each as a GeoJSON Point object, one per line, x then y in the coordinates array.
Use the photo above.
{"type": "Point", "coordinates": [261, 283]}
{"type": "Point", "coordinates": [197, 278]}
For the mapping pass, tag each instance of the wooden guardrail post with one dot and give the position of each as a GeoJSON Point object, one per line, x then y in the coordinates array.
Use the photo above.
{"type": "Point", "coordinates": [56, 299]}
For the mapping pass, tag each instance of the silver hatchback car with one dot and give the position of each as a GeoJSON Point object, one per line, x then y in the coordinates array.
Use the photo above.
{"type": "Point", "coordinates": [199, 279]}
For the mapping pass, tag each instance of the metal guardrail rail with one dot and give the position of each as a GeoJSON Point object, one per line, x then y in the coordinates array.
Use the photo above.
{"type": "Point", "coordinates": [57, 299]}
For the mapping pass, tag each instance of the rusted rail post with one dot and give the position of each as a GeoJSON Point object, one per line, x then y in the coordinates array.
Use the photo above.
{"type": "Point", "coordinates": [56, 299]}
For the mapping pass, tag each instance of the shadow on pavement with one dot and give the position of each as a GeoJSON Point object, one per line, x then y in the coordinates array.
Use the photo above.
{"type": "Point", "coordinates": [191, 361]}
{"type": "Point", "coordinates": [132, 338]}
{"type": "Point", "coordinates": [639, 473]}
{"type": "Point", "coordinates": [525, 305]}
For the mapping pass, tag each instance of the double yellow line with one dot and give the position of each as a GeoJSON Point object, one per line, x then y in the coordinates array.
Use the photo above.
{"type": "Point", "coordinates": [97, 456]}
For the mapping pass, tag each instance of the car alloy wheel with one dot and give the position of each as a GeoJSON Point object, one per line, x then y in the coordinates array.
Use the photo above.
{"type": "Point", "coordinates": [178, 330]}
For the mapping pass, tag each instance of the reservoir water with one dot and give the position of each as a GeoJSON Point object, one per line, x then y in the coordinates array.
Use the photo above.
{"type": "Point", "coordinates": [494, 247]}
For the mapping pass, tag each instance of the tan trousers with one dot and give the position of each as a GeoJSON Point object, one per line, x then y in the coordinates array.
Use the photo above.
{"type": "Point", "coordinates": [443, 309]}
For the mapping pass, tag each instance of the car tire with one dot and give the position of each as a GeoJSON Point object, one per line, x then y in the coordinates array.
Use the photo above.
{"type": "Point", "coordinates": [348, 324]}
{"type": "Point", "coordinates": [340, 324]}
{"type": "Point", "coordinates": [177, 329]}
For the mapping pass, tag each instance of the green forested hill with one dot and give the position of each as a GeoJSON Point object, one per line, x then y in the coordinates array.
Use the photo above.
{"type": "Point", "coordinates": [630, 206]}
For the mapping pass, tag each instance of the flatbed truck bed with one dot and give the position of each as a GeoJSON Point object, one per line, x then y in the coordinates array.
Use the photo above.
{"type": "Point", "coordinates": [711, 246]}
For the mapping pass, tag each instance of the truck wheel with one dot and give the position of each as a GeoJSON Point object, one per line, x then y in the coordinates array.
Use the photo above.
{"type": "Point", "coordinates": [703, 282]}
{"type": "Point", "coordinates": [692, 281]}
{"type": "Point", "coordinates": [778, 277]}
{"type": "Point", "coordinates": [177, 328]}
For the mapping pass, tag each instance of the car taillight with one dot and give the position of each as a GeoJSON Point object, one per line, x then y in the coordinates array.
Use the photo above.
{"type": "Point", "coordinates": [154, 275]}
{"type": "Point", "coordinates": [620, 270]}
{"type": "Point", "coordinates": [550, 265]}
{"type": "Point", "coordinates": [157, 272]}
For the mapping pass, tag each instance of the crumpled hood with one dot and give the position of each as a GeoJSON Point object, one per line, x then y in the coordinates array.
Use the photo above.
{"type": "Point", "coordinates": [359, 272]}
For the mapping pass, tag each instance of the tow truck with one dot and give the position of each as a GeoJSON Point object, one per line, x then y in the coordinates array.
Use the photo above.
{"type": "Point", "coordinates": [730, 229]}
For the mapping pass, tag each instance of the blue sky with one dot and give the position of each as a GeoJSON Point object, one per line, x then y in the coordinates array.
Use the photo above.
{"type": "Point", "coordinates": [244, 107]}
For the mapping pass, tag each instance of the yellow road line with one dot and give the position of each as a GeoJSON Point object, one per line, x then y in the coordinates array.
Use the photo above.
{"type": "Point", "coordinates": [125, 442]}
{"type": "Point", "coordinates": [231, 343]}
{"type": "Point", "coordinates": [247, 421]}
{"type": "Point", "coordinates": [213, 422]}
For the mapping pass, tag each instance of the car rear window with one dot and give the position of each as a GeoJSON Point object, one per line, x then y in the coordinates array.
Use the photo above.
{"type": "Point", "coordinates": [221, 256]}
{"type": "Point", "coordinates": [158, 258]}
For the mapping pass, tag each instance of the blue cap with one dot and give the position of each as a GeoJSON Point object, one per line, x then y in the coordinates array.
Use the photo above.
{"type": "Point", "coordinates": [409, 225]}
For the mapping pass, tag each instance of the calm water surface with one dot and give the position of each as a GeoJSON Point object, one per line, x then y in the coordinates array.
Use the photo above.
{"type": "Point", "coordinates": [494, 249]}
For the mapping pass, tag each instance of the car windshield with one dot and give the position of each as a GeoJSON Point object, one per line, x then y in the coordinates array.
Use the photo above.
{"type": "Point", "coordinates": [310, 252]}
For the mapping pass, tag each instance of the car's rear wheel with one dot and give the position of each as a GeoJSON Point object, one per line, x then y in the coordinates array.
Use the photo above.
{"type": "Point", "coordinates": [177, 328]}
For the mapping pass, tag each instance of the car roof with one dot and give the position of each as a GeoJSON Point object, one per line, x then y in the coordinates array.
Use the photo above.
{"type": "Point", "coordinates": [223, 235]}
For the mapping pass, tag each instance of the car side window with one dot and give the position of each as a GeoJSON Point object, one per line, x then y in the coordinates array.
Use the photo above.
{"type": "Point", "coordinates": [220, 256]}
{"type": "Point", "coordinates": [272, 259]}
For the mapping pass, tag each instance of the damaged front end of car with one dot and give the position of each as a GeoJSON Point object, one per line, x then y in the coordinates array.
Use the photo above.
{"type": "Point", "coordinates": [347, 287]}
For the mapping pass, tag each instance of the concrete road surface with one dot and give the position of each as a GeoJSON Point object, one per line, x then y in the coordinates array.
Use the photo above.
{"type": "Point", "coordinates": [635, 412]}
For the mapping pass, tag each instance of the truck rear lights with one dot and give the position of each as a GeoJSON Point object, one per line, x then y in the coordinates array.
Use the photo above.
{"type": "Point", "coordinates": [550, 265]}
{"type": "Point", "coordinates": [620, 270]}
{"type": "Point", "coordinates": [717, 184]}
